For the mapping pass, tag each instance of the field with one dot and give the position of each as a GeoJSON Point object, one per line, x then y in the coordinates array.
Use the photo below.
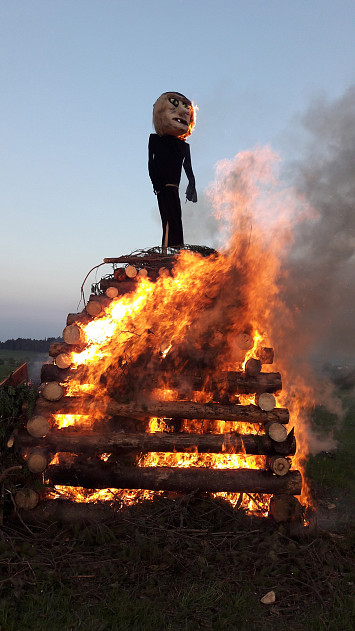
{"type": "Point", "coordinates": [10, 360]}
{"type": "Point", "coordinates": [191, 563]}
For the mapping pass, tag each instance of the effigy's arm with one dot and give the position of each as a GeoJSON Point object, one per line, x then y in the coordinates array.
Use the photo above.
{"type": "Point", "coordinates": [191, 193]}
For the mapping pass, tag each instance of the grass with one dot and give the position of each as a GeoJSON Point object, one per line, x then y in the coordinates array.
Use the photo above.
{"type": "Point", "coordinates": [332, 473]}
{"type": "Point", "coordinates": [190, 563]}
{"type": "Point", "coordinates": [150, 569]}
{"type": "Point", "coordinates": [10, 360]}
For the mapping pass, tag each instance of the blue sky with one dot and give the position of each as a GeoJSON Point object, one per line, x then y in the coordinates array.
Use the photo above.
{"type": "Point", "coordinates": [78, 81]}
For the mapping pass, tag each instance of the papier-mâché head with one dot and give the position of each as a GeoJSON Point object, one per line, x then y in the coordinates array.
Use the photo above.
{"type": "Point", "coordinates": [173, 115]}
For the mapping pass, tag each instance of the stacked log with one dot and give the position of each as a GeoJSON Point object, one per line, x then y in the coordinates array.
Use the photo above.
{"type": "Point", "coordinates": [41, 440]}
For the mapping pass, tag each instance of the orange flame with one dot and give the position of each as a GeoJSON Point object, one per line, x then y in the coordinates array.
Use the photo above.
{"type": "Point", "coordinates": [195, 315]}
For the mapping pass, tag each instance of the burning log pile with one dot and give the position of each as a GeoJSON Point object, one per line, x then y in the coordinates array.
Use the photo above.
{"type": "Point", "coordinates": [146, 404]}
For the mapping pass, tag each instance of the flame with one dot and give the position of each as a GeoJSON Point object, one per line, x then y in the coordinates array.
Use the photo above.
{"type": "Point", "coordinates": [66, 420]}
{"type": "Point", "coordinates": [193, 119]}
{"type": "Point", "coordinates": [168, 329]}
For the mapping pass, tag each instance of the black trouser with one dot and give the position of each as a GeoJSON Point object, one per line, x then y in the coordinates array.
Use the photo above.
{"type": "Point", "coordinates": [170, 213]}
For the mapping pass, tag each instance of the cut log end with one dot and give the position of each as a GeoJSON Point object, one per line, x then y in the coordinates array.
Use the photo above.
{"type": "Point", "coordinates": [244, 341]}
{"type": "Point", "coordinates": [37, 461]}
{"type": "Point", "coordinates": [253, 367]}
{"type": "Point", "coordinates": [26, 499]}
{"type": "Point", "coordinates": [131, 271]}
{"type": "Point", "coordinates": [38, 426]}
{"type": "Point", "coordinates": [73, 334]}
{"type": "Point", "coordinates": [53, 391]}
{"type": "Point", "coordinates": [93, 308]}
{"type": "Point", "coordinates": [266, 401]}
{"type": "Point", "coordinates": [276, 431]}
{"type": "Point", "coordinates": [285, 508]}
{"type": "Point", "coordinates": [279, 465]}
{"type": "Point", "coordinates": [266, 355]}
{"type": "Point", "coordinates": [111, 292]}
{"type": "Point", "coordinates": [63, 360]}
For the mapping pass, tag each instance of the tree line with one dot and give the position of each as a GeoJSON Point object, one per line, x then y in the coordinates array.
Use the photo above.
{"type": "Point", "coordinates": [27, 344]}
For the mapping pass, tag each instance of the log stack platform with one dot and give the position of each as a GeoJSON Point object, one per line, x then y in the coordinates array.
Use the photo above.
{"type": "Point", "coordinates": [107, 452]}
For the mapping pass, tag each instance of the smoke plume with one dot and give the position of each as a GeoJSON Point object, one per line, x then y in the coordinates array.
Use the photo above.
{"type": "Point", "coordinates": [318, 268]}
{"type": "Point", "coordinates": [320, 284]}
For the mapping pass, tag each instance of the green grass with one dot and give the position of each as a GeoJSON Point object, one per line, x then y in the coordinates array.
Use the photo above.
{"type": "Point", "coordinates": [333, 473]}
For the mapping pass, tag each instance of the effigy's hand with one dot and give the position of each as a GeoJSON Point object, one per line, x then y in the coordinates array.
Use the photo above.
{"type": "Point", "coordinates": [191, 194]}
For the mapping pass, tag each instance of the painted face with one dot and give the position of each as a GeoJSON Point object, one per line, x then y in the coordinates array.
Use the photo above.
{"type": "Point", "coordinates": [173, 115]}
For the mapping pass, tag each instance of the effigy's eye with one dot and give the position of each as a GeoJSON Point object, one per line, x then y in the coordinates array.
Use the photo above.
{"type": "Point", "coordinates": [174, 102]}
{"type": "Point", "coordinates": [186, 106]}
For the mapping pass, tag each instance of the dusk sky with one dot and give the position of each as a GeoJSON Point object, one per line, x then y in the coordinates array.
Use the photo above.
{"type": "Point", "coordinates": [78, 82]}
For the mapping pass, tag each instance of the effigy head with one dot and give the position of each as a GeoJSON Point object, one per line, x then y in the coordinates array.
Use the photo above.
{"type": "Point", "coordinates": [173, 115]}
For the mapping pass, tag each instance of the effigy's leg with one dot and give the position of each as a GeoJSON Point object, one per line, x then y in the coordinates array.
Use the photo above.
{"type": "Point", "coordinates": [170, 213]}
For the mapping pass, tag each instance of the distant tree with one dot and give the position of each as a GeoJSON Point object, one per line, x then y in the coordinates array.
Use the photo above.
{"type": "Point", "coordinates": [28, 344]}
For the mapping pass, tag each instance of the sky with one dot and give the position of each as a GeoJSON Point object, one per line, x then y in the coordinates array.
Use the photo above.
{"type": "Point", "coordinates": [78, 82]}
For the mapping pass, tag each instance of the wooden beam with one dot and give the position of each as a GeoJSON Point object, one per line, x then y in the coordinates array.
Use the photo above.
{"type": "Point", "coordinates": [94, 476]}
{"type": "Point", "coordinates": [94, 442]}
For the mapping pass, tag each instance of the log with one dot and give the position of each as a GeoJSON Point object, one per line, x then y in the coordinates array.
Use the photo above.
{"type": "Point", "coordinates": [95, 475]}
{"type": "Point", "coordinates": [111, 292]}
{"type": "Point", "coordinates": [266, 355]}
{"type": "Point", "coordinates": [53, 391]}
{"type": "Point", "coordinates": [278, 464]}
{"type": "Point", "coordinates": [226, 382]}
{"type": "Point", "coordinates": [266, 401]}
{"type": "Point", "coordinates": [123, 287]}
{"type": "Point", "coordinates": [253, 367]}
{"type": "Point", "coordinates": [120, 274]}
{"type": "Point", "coordinates": [138, 260]}
{"type": "Point", "coordinates": [81, 317]}
{"type": "Point", "coordinates": [63, 360]}
{"type": "Point", "coordinates": [240, 383]}
{"type": "Point", "coordinates": [11, 440]}
{"type": "Point", "coordinates": [143, 273]}
{"type": "Point", "coordinates": [285, 447]}
{"type": "Point", "coordinates": [37, 461]}
{"type": "Point", "coordinates": [131, 271]}
{"type": "Point", "coordinates": [73, 334]}
{"type": "Point", "coordinates": [67, 512]}
{"type": "Point", "coordinates": [97, 305]}
{"type": "Point", "coordinates": [163, 409]}
{"type": "Point", "coordinates": [232, 382]}
{"type": "Point", "coordinates": [276, 431]}
{"type": "Point", "coordinates": [26, 499]}
{"type": "Point", "coordinates": [94, 442]}
{"type": "Point", "coordinates": [94, 308]}
{"type": "Point", "coordinates": [38, 426]}
{"type": "Point", "coordinates": [163, 272]}
{"type": "Point", "coordinates": [244, 341]}
{"type": "Point", "coordinates": [68, 405]}
{"type": "Point", "coordinates": [57, 348]}
{"type": "Point", "coordinates": [285, 507]}
{"type": "Point", "coordinates": [191, 410]}
{"type": "Point", "coordinates": [52, 372]}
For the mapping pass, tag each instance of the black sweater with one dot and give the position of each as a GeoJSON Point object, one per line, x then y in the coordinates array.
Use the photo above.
{"type": "Point", "coordinates": [166, 157]}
